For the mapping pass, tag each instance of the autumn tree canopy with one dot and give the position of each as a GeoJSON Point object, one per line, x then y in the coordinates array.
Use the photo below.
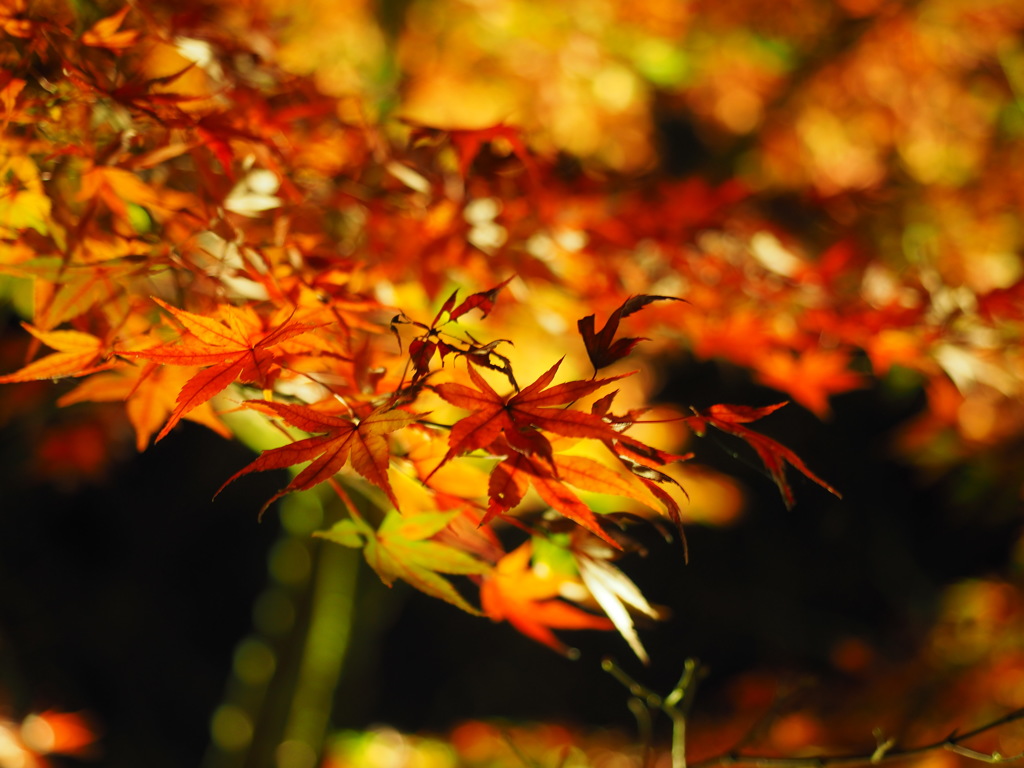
{"type": "Point", "coordinates": [431, 256]}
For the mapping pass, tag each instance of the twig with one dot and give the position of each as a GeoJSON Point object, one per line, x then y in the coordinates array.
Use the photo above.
{"type": "Point", "coordinates": [645, 728]}
{"type": "Point", "coordinates": [522, 756]}
{"type": "Point", "coordinates": [881, 754]}
{"type": "Point", "coordinates": [676, 705]}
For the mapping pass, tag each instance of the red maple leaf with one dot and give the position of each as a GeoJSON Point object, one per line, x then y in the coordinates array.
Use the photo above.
{"type": "Point", "coordinates": [341, 440]}
{"type": "Point", "coordinates": [469, 141]}
{"type": "Point", "coordinates": [521, 417]}
{"type": "Point", "coordinates": [775, 456]}
{"type": "Point", "coordinates": [511, 478]}
{"type": "Point", "coordinates": [644, 461]}
{"type": "Point", "coordinates": [423, 347]}
{"type": "Point", "coordinates": [602, 347]}
{"type": "Point", "coordinates": [484, 301]}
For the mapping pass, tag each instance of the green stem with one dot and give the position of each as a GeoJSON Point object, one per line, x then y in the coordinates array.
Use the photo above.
{"type": "Point", "coordinates": [276, 708]}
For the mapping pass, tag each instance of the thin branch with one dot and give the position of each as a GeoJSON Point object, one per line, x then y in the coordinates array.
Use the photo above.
{"type": "Point", "coordinates": [645, 728]}
{"type": "Point", "coordinates": [641, 692]}
{"type": "Point", "coordinates": [881, 754]}
{"type": "Point", "coordinates": [520, 755]}
{"type": "Point", "coordinates": [676, 705]}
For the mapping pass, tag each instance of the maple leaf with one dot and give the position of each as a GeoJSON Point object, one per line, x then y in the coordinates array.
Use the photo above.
{"type": "Point", "coordinates": [24, 203]}
{"type": "Point", "coordinates": [528, 600]}
{"type": "Point", "coordinates": [340, 441]}
{"type": "Point", "coordinates": [403, 548]}
{"type": "Point", "coordinates": [614, 592]}
{"type": "Point", "coordinates": [465, 532]}
{"type": "Point", "coordinates": [591, 475]}
{"type": "Point", "coordinates": [468, 143]}
{"type": "Point", "coordinates": [78, 354]}
{"type": "Point", "coordinates": [149, 393]}
{"type": "Point", "coordinates": [104, 33]}
{"type": "Point", "coordinates": [643, 461]}
{"type": "Point", "coordinates": [509, 481]}
{"type": "Point", "coordinates": [602, 348]}
{"type": "Point", "coordinates": [10, 88]}
{"type": "Point", "coordinates": [12, 19]}
{"type": "Point", "coordinates": [235, 346]}
{"type": "Point", "coordinates": [809, 377]}
{"type": "Point", "coordinates": [775, 456]}
{"type": "Point", "coordinates": [483, 300]}
{"type": "Point", "coordinates": [117, 187]}
{"type": "Point", "coordinates": [421, 352]}
{"type": "Point", "coordinates": [64, 291]}
{"type": "Point", "coordinates": [422, 348]}
{"type": "Point", "coordinates": [521, 416]}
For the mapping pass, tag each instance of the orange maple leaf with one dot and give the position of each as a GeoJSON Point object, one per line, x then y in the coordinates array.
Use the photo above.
{"type": "Point", "coordinates": [528, 600]}
{"type": "Point", "coordinates": [117, 187]}
{"type": "Point", "coordinates": [63, 291]}
{"type": "Point", "coordinates": [810, 376]}
{"type": "Point", "coordinates": [104, 33]}
{"type": "Point", "coordinates": [10, 88]}
{"type": "Point", "coordinates": [149, 392]}
{"type": "Point", "coordinates": [13, 21]}
{"type": "Point", "coordinates": [341, 440]}
{"type": "Point", "coordinates": [235, 345]}
{"type": "Point", "coordinates": [77, 354]}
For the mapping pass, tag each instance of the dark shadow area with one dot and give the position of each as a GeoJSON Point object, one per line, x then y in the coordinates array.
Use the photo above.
{"type": "Point", "coordinates": [778, 591]}
{"type": "Point", "coordinates": [127, 597]}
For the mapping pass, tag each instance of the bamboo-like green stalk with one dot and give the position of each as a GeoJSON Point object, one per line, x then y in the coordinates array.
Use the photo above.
{"type": "Point", "coordinates": [288, 714]}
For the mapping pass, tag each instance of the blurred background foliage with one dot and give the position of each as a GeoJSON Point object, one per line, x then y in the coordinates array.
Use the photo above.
{"type": "Point", "coordinates": [869, 156]}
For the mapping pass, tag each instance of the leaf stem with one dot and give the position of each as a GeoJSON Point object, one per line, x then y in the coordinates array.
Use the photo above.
{"type": "Point", "coordinates": [346, 500]}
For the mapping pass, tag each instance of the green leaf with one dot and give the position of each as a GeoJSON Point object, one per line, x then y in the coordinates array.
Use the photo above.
{"type": "Point", "coordinates": [348, 533]}
{"type": "Point", "coordinates": [555, 552]}
{"type": "Point", "coordinates": [402, 549]}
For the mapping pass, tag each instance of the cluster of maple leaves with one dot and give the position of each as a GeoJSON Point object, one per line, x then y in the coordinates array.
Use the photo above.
{"type": "Point", "coordinates": [195, 231]}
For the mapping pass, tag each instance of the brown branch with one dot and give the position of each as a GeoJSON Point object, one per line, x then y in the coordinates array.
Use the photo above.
{"type": "Point", "coordinates": [882, 754]}
{"type": "Point", "coordinates": [677, 704]}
